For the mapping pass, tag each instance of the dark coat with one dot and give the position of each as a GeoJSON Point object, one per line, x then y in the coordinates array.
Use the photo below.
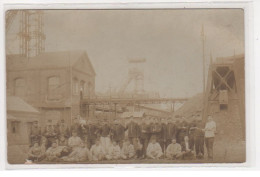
{"type": "Point", "coordinates": [105, 130]}
{"type": "Point", "coordinates": [170, 131]}
{"type": "Point", "coordinates": [63, 130]}
{"type": "Point", "coordinates": [91, 131]}
{"type": "Point", "coordinates": [144, 130]}
{"type": "Point", "coordinates": [181, 133]}
{"type": "Point", "coordinates": [118, 132]}
{"type": "Point", "coordinates": [163, 132]}
{"type": "Point", "coordinates": [133, 130]}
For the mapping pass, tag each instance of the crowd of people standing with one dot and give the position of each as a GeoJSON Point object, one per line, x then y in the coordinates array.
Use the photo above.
{"type": "Point", "coordinates": [145, 138]}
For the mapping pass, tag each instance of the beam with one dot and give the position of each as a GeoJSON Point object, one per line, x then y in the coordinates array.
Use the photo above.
{"type": "Point", "coordinates": [101, 101]}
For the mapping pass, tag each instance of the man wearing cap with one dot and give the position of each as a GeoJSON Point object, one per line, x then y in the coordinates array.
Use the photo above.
{"type": "Point", "coordinates": [76, 126]}
{"type": "Point", "coordinates": [91, 133]}
{"type": "Point", "coordinates": [63, 129]}
{"type": "Point", "coordinates": [35, 134]}
{"type": "Point", "coordinates": [163, 134]}
{"type": "Point", "coordinates": [133, 130]}
{"type": "Point", "coordinates": [105, 136]}
{"type": "Point", "coordinates": [50, 133]}
{"type": "Point", "coordinates": [173, 150]}
{"type": "Point", "coordinates": [156, 129]}
{"type": "Point", "coordinates": [144, 134]}
{"type": "Point", "coordinates": [199, 140]}
{"type": "Point", "coordinates": [118, 132]}
{"type": "Point", "coordinates": [170, 132]}
{"type": "Point", "coordinates": [210, 129]}
{"type": "Point", "coordinates": [182, 132]}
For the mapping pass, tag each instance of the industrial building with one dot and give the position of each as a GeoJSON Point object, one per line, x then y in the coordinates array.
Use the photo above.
{"type": "Point", "coordinates": [52, 82]}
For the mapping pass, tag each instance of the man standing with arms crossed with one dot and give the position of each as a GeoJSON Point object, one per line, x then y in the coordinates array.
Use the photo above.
{"type": "Point", "coordinates": [210, 129]}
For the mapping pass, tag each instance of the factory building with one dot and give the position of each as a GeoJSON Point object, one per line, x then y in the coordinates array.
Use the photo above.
{"type": "Point", "coordinates": [52, 82]}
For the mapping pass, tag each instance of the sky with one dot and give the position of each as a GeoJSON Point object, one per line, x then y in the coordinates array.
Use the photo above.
{"type": "Point", "coordinates": [169, 40]}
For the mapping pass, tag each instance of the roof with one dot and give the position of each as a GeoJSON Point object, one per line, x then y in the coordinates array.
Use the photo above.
{"type": "Point", "coordinates": [60, 59]}
{"type": "Point", "coordinates": [229, 59]}
{"type": "Point", "coordinates": [134, 114]}
{"type": "Point", "coordinates": [17, 104]}
{"type": "Point", "coordinates": [11, 117]}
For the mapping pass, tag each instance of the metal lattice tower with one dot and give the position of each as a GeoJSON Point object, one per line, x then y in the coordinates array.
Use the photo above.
{"type": "Point", "coordinates": [135, 74]}
{"type": "Point", "coordinates": [31, 33]}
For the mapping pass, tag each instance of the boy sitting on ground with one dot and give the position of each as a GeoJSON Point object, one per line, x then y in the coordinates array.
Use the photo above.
{"type": "Point", "coordinates": [79, 154]}
{"type": "Point", "coordinates": [173, 150]}
{"type": "Point", "coordinates": [114, 151]}
{"type": "Point", "coordinates": [187, 152]}
{"type": "Point", "coordinates": [154, 150]}
{"type": "Point", "coordinates": [96, 151]}
{"type": "Point", "coordinates": [35, 153]}
{"type": "Point", "coordinates": [128, 150]}
{"type": "Point", "coordinates": [74, 141]}
{"type": "Point", "coordinates": [53, 153]}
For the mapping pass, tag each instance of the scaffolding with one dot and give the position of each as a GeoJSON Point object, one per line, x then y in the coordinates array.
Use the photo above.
{"type": "Point", "coordinates": [31, 33]}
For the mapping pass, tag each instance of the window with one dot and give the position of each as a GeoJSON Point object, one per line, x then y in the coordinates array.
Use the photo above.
{"type": "Point", "coordinates": [75, 86]}
{"type": "Point", "coordinates": [89, 88]}
{"type": "Point", "coordinates": [19, 87]}
{"type": "Point", "coordinates": [54, 116]}
{"type": "Point", "coordinates": [82, 87]}
{"type": "Point", "coordinates": [53, 88]}
{"type": "Point", "coordinates": [14, 127]}
{"type": "Point", "coordinates": [85, 89]}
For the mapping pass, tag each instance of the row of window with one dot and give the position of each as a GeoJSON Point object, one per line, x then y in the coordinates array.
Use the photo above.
{"type": "Point", "coordinates": [53, 87]}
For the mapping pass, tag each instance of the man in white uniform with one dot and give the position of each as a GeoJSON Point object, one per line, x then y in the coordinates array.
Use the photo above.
{"type": "Point", "coordinates": [154, 150]}
{"type": "Point", "coordinates": [74, 141]}
{"type": "Point", "coordinates": [173, 150]}
{"type": "Point", "coordinates": [210, 130]}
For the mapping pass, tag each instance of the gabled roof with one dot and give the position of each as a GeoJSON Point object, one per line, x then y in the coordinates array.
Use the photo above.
{"type": "Point", "coordinates": [46, 60]}
{"type": "Point", "coordinates": [19, 105]}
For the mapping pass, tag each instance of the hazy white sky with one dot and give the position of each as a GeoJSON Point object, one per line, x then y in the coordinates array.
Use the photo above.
{"type": "Point", "coordinates": [169, 40]}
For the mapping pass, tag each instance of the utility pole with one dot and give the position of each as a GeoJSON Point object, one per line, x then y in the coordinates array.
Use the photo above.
{"type": "Point", "coordinates": [203, 55]}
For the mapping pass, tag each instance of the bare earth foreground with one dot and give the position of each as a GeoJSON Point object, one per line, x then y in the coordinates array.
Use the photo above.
{"type": "Point", "coordinates": [233, 154]}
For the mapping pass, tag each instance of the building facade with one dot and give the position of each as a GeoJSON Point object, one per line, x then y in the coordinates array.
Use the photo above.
{"type": "Point", "coordinates": [52, 82]}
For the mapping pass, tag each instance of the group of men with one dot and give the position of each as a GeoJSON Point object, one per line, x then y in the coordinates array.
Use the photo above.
{"type": "Point", "coordinates": [137, 139]}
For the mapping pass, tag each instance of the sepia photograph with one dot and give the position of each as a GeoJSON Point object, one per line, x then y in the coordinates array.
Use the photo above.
{"type": "Point", "coordinates": [125, 86]}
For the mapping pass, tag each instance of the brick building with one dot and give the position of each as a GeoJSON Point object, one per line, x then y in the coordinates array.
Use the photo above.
{"type": "Point", "coordinates": [52, 82]}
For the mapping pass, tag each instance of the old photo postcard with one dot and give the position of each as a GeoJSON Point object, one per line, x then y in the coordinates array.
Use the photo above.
{"type": "Point", "coordinates": [125, 86]}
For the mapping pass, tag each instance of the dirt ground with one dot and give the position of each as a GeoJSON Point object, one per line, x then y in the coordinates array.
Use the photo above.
{"type": "Point", "coordinates": [224, 152]}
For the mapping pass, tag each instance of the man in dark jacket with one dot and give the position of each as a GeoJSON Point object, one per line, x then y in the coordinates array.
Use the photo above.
{"type": "Point", "coordinates": [91, 132]}
{"type": "Point", "coordinates": [182, 132]}
{"type": "Point", "coordinates": [192, 129]}
{"type": "Point", "coordinates": [199, 140]}
{"type": "Point", "coordinates": [163, 137]}
{"type": "Point", "coordinates": [118, 133]}
{"type": "Point", "coordinates": [75, 127]}
{"type": "Point", "coordinates": [170, 132]}
{"type": "Point", "coordinates": [35, 134]}
{"type": "Point", "coordinates": [50, 133]}
{"type": "Point", "coordinates": [63, 129]}
{"type": "Point", "coordinates": [144, 134]}
{"type": "Point", "coordinates": [133, 130]}
{"type": "Point", "coordinates": [156, 129]}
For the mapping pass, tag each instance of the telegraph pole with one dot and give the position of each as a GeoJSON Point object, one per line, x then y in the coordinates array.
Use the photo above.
{"type": "Point", "coordinates": [203, 55]}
